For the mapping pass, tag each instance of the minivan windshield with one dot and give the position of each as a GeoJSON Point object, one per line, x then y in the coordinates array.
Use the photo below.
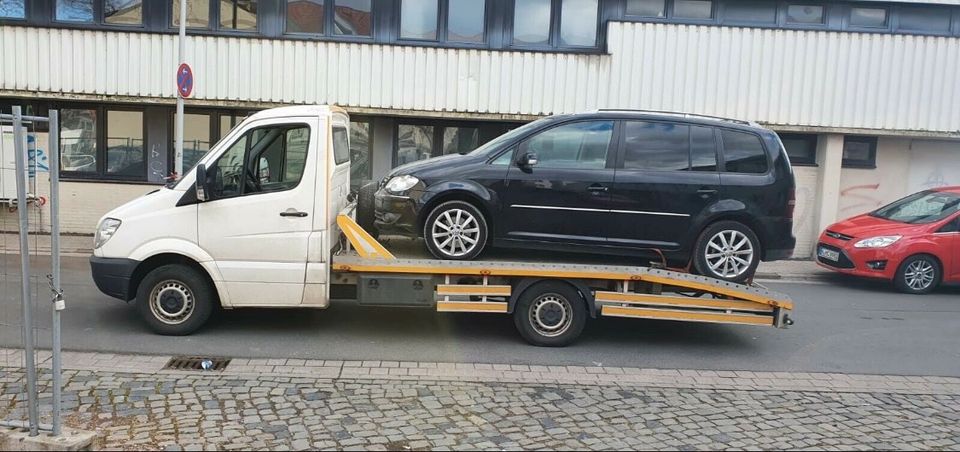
{"type": "Point", "coordinates": [494, 143]}
{"type": "Point", "coordinates": [921, 208]}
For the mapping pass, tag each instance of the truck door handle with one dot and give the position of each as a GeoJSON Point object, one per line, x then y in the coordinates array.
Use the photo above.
{"type": "Point", "coordinates": [597, 188]}
{"type": "Point", "coordinates": [293, 213]}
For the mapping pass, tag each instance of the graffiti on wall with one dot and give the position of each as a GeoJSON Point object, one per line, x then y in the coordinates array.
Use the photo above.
{"type": "Point", "coordinates": [858, 199]}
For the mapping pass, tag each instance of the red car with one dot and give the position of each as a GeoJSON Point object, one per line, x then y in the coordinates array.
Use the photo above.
{"type": "Point", "coordinates": [914, 242]}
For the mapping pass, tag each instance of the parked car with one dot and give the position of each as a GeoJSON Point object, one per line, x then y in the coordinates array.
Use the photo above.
{"type": "Point", "coordinates": [711, 192]}
{"type": "Point", "coordinates": [914, 242]}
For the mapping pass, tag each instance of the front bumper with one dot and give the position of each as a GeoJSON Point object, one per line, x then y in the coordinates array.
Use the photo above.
{"type": "Point", "coordinates": [879, 263]}
{"type": "Point", "coordinates": [112, 276]}
{"type": "Point", "coordinates": [396, 214]}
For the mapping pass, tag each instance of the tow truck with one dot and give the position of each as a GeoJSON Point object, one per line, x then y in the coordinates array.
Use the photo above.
{"type": "Point", "coordinates": [215, 238]}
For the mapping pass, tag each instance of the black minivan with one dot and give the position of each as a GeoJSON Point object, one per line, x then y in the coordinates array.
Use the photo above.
{"type": "Point", "coordinates": [714, 194]}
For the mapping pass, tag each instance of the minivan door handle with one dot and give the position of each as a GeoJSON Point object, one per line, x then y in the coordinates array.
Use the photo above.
{"type": "Point", "coordinates": [293, 213]}
{"type": "Point", "coordinates": [706, 192]}
{"type": "Point", "coordinates": [597, 188]}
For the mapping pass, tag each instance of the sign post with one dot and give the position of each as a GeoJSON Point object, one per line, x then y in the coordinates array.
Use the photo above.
{"type": "Point", "coordinates": [184, 88]}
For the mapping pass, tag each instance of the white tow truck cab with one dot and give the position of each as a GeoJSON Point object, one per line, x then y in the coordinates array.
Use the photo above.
{"type": "Point", "coordinates": [259, 221]}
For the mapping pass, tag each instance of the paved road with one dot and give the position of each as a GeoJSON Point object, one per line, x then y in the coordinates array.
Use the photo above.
{"type": "Point", "coordinates": [842, 326]}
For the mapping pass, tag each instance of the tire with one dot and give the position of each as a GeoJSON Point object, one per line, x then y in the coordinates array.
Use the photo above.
{"type": "Point", "coordinates": [175, 300]}
{"type": "Point", "coordinates": [449, 229]}
{"type": "Point", "coordinates": [715, 257]}
{"type": "Point", "coordinates": [918, 275]}
{"type": "Point", "coordinates": [366, 208]}
{"type": "Point", "coordinates": [550, 314]}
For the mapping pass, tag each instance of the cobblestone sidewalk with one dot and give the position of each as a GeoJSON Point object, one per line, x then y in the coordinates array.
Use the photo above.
{"type": "Point", "coordinates": [274, 409]}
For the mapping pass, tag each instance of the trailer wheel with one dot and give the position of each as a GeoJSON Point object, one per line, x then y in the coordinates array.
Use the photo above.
{"type": "Point", "coordinates": [550, 314]}
{"type": "Point", "coordinates": [175, 300]}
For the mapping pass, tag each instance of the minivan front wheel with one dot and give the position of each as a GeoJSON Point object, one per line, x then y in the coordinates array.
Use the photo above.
{"type": "Point", "coordinates": [727, 250]}
{"type": "Point", "coordinates": [455, 230]}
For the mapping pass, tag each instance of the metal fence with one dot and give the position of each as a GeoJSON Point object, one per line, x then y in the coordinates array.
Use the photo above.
{"type": "Point", "coordinates": [30, 298]}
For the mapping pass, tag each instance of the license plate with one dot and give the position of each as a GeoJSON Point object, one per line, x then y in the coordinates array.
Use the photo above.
{"type": "Point", "coordinates": [829, 254]}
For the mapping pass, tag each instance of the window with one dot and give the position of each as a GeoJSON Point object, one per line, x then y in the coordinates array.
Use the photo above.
{"type": "Point", "coordinates": [275, 160]}
{"type": "Point", "coordinates": [953, 226]}
{"type": "Point", "coordinates": [361, 154]}
{"type": "Point", "coordinates": [805, 14]}
{"type": "Point", "coordinates": [801, 148]}
{"type": "Point", "coordinates": [123, 12]}
{"type": "Point", "coordinates": [460, 140]}
{"type": "Point", "coordinates": [582, 145]}
{"type": "Point", "coordinates": [228, 122]}
{"type": "Point", "coordinates": [921, 208]}
{"type": "Point", "coordinates": [305, 16]}
{"type": "Point", "coordinates": [693, 9]}
{"type": "Point", "coordinates": [751, 11]}
{"type": "Point", "coordinates": [646, 8]}
{"type": "Point", "coordinates": [78, 140]}
{"type": "Point", "coordinates": [196, 138]}
{"type": "Point", "coordinates": [578, 23]}
{"type": "Point", "coordinates": [418, 19]}
{"type": "Point", "coordinates": [703, 149]}
{"type": "Point", "coordinates": [198, 13]}
{"type": "Point", "coordinates": [352, 18]}
{"type": "Point", "coordinates": [859, 152]}
{"type": "Point", "coordinates": [923, 18]}
{"type": "Point", "coordinates": [238, 15]}
{"type": "Point", "coordinates": [414, 142]}
{"type": "Point", "coordinates": [656, 146]}
{"type": "Point", "coordinates": [531, 22]}
{"type": "Point", "coordinates": [75, 10]}
{"type": "Point", "coordinates": [125, 145]}
{"type": "Point", "coordinates": [868, 17]}
{"type": "Point", "coordinates": [13, 9]}
{"type": "Point", "coordinates": [341, 145]}
{"type": "Point", "coordinates": [743, 153]}
{"type": "Point", "coordinates": [465, 21]}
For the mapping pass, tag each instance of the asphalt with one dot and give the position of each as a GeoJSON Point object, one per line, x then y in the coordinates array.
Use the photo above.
{"type": "Point", "coordinates": [842, 325]}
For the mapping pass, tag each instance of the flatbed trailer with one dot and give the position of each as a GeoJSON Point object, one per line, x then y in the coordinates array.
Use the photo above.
{"type": "Point", "coordinates": [550, 301]}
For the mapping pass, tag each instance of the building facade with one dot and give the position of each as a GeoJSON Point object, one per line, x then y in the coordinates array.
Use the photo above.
{"type": "Point", "coordinates": [865, 94]}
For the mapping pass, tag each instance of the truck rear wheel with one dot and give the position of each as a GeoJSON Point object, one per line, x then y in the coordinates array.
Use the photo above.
{"type": "Point", "coordinates": [175, 300]}
{"type": "Point", "coordinates": [550, 314]}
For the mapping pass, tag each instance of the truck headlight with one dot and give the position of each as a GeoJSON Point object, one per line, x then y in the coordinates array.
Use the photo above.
{"type": "Point", "coordinates": [882, 241]}
{"type": "Point", "coordinates": [400, 184]}
{"type": "Point", "coordinates": [107, 228]}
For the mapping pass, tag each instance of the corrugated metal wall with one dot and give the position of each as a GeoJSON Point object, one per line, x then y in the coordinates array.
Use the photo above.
{"type": "Point", "coordinates": [788, 77]}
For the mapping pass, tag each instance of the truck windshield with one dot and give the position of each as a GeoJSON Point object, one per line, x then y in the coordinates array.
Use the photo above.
{"type": "Point", "coordinates": [921, 208]}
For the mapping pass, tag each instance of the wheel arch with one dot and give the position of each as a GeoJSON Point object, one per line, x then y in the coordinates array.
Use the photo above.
{"type": "Point", "coordinates": [467, 193]}
{"type": "Point", "coordinates": [168, 258]}
{"type": "Point", "coordinates": [521, 286]}
{"type": "Point", "coordinates": [739, 217]}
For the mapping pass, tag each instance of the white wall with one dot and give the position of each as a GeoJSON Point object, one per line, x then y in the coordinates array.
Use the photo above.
{"type": "Point", "coordinates": [805, 215]}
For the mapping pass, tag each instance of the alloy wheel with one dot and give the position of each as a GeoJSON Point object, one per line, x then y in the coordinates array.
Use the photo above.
{"type": "Point", "coordinates": [919, 274]}
{"type": "Point", "coordinates": [729, 253]}
{"type": "Point", "coordinates": [455, 232]}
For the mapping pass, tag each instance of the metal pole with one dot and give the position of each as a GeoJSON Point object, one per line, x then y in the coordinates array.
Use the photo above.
{"type": "Point", "coordinates": [27, 318]}
{"type": "Point", "coordinates": [178, 158]}
{"type": "Point", "coordinates": [54, 158]}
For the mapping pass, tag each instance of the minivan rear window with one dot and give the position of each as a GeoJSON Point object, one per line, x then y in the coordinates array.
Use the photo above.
{"type": "Point", "coordinates": [656, 146]}
{"type": "Point", "coordinates": [743, 153]}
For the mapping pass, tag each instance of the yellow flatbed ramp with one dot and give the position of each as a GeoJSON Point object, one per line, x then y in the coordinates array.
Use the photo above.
{"type": "Point", "coordinates": [609, 290]}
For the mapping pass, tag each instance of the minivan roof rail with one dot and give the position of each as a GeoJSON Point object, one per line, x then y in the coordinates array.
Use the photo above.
{"type": "Point", "coordinates": [680, 114]}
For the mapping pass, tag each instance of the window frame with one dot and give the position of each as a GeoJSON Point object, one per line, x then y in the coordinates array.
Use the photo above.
{"type": "Point", "coordinates": [328, 24]}
{"type": "Point", "coordinates": [100, 175]}
{"type": "Point", "coordinates": [613, 147]}
{"type": "Point", "coordinates": [95, 20]}
{"type": "Point", "coordinates": [553, 36]}
{"type": "Point", "coordinates": [810, 138]}
{"type": "Point", "coordinates": [214, 115]}
{"type": "Point", "coordinates": [440, 22]}
{"type": "Point", "coordinates": [213, 17]}
{"type": "Point", "coordinates": [286, 126]}
{"type": "Point", "coordinates": [103, 16]}
{"type": "Point", "coordinates": [848, 17]}
{"type": "Point", "coordinates": [722, 155]}
{"type": "Point", "coordinates": [785, 13]}
{"type": "Point", "coordinates": [896, 18]}
{"type": "Point", "coordinates": [722, 13]}
{"type": "Point", "coordinates": [485, 131]}
{"type": "Point", "coordinates": [666, 11]}
{"type": "Point", "coordinates": [369, 122]}
{"type": "Point", "coordinates": [621, 159]}
{"type": "Point", "coordinates": [714, 14]}
{"type": "Point", "coordinates": [870, 162]}
{"type": "Point", "coordinates": [27, 10]}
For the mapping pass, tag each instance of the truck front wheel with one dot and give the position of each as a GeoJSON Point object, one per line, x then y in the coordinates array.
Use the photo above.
{"type": "Point", "coordinates": [550, 314]}
{"type": "Point", "coordinates": [175, 300]}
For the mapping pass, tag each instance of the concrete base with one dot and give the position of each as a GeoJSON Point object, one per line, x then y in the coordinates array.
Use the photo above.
{"type": "Point", "coordinates": [15, 439]}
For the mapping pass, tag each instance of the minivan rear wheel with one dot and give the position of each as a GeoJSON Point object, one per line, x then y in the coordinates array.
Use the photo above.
{"type": "Point", "coordinates": [727, 250]}
{"type": "Point", "coordinates": [455, 230]}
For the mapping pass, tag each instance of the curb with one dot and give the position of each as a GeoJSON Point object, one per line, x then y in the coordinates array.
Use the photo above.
{"type": "Point", "coordinates": [19, 439]}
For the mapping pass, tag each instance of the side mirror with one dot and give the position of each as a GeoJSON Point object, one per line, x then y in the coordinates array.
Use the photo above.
{"type": "Point", "coordinates": [202, 184]}
{"type": "Point", "coordinates": [528, 160]}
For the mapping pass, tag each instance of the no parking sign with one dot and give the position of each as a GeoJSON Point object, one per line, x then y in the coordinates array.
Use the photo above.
{"type": "Point", "coordinates": [184, 80]}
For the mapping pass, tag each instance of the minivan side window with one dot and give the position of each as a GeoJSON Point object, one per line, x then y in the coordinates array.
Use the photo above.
{"type": "Point", "coordinates": [703, 149]}
{"type": "Point", "coordinates": [743, 153]}
{"type": "Point", "coordinates": [265, 159]}
{"type": "Point", "coordinates": [656, 146]}
{"type": "Point", "coordinates": [581, 145]}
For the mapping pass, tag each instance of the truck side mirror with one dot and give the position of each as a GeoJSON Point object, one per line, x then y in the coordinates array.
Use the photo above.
{"type": "Point", "coordinates": [529, 160]}
{"type": "Point", "coordinates": [202, 184]}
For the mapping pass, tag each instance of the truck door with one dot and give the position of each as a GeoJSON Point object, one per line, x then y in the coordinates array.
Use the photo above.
{"type": "Point", "coordinates": [258, 225]}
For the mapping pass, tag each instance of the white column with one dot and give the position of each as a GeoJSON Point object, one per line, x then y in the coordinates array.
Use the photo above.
{"type": "Point", "coordinates": [830, 156]}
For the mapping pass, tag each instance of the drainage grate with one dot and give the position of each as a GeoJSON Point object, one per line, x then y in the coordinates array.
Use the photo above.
{"type": "Point", "coordinates": [196, 363]}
